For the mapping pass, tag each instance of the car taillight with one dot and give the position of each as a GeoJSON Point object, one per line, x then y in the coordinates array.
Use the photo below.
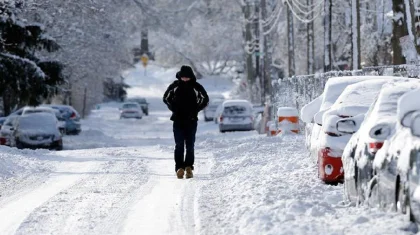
{"type": "Point", "coordinates": [73, 115]}
{"type": "Point", "coordinates": [375, 146]}
{"type": "Point", "coordinates": [2, 141]}
{"type": "Point", "coordinates": [221, 118]}
{"type": "Point", "coordinates": [332, 134]}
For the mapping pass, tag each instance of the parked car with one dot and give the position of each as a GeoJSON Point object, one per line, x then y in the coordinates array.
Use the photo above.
{"type": "Point", "coordinates": [6, 130]}
{"type": "Point", "coordinates": [378, 125]}
{"type": "Point", "coordinates": [394, 184]}
{"type": "Point", "coordinates": [142, 102]}
{"type": "Point", "coordinates": [43, 109]}
{"type": "Point", "coordinates": [69, 116]}
{"type": "Point", "coordinates": [353, 102]}
{"type": "Point", "coordinates": [37, 130]}
{"type": "Point", "coordinates": [333, 89]}
{"type": "Point", "coordinates": [210, 111]}
{"type": "Point", "coordinates": [131, 110]}
{"type": "Point", "coordinates": [236, 116]}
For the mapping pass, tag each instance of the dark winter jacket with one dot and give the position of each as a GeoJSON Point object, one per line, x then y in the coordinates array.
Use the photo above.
{"type": "Point", "coordinates": [185, 99]}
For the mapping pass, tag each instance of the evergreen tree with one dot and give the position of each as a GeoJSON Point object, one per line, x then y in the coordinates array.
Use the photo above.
{"type": "Point", "coordinates": [26, 79]}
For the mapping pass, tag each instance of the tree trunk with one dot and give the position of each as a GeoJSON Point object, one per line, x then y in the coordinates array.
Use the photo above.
{"type": "Point", "coordinates": [327, 35]}
{"type": "Point", "coordinates": [398, 30]}
{"type": "Point", "coordinates": [310, 47]}
{"type": "Point", "coordinates": [290, 42]}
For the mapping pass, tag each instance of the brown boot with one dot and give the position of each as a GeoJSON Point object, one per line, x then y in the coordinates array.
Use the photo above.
{"type": "Point", "coordinates": [180, 173]}
{"type": "Point", "coordinates": [189, 173]}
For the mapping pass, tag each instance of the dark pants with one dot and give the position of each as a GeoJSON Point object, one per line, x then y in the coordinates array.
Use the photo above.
{"type": "Point", "coordinates": [184, 134]}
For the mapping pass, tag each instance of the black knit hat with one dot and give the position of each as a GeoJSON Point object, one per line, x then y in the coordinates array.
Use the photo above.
{"type": "Point", "coordinates": [187, 72]}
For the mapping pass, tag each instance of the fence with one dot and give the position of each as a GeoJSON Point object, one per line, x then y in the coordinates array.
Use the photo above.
{"type": "Point", "coordinates": [297, 91]}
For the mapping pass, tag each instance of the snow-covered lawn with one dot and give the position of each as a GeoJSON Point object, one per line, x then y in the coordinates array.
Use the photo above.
{"type": "Point", "coordinates": [118, 177]}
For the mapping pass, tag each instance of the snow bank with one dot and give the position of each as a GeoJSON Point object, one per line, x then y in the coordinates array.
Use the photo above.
{"type": "Point", "coordinates": [261, 185]}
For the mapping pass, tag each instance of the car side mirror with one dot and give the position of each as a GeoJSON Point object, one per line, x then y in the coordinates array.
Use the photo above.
{"type": "Point", "coordinates": [347, 126]}
{"type": "Point", "coordinates": [415, 125]}
{"type": "Point", "coordinates": [406, 120]}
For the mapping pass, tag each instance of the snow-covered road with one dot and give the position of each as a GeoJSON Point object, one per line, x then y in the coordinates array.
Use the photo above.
{"type": "Point", "coordinates": [118, 177]}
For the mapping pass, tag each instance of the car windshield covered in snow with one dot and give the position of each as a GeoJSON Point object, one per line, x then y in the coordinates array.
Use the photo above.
{"type": "Point", "coordinates": [38, 121]}
{"type": "Point", "coordinates": [130, 106]}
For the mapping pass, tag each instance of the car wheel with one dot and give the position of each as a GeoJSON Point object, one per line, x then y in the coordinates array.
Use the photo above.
{"type": "Point", "coordinates": [19, 144]}
{"type": "Point", "coordinates": [360, 191]}
{"type": "Point", "coordinates": [401, 197]}
{"type": "Point", "coordinates": [372, 194]}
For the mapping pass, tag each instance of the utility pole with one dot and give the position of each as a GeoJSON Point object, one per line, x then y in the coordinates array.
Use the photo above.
{"type": "Point", "coordinates": [257, 38]}
{"type": "Point", "coordinates": [266, 72]}
{"type": "Point", "coordinates": [355, 31]}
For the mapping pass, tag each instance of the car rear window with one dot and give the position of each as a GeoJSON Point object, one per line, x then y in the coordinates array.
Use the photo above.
{"type": "Point", "coordinates": [235, 110]}
{"type": "Point", "coordinates": [129, 106]}
{"type": "Point", "coordinates": [35, 121]}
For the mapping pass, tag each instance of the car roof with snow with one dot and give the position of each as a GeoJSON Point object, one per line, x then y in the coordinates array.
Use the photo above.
{"type": "Point", "coordinates": [408, 102]}
{"type": "Point", "coordinates": [385, 109]}
{"type": "Point", "coordinates": [358, 97]}
{"type": "Point", "coordinates": [336, 85]}
{"type": "Point", "coordinates": [237, 103]}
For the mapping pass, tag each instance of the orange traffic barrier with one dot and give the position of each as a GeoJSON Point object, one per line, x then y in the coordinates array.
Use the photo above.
{"type": "Point", "coordinates": [288, 119]}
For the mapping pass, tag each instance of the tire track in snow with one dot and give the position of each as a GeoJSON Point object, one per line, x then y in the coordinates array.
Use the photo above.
{"type": "Point", "coordinates": [17, 210]}
{"type": "Point", "coordinates": [95, 205]}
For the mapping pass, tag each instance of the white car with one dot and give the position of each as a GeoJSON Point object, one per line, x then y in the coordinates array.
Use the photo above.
{"type": "Point", "coordinates": [353, 102]}
{"type": "Point", "coordinates": [61, 124]}
{"type": "Point", "coordinates": [236, 116]}
{"type": "Point", "coordinates": [333, 89]}
{"type": "Point", "coordinates": [397, 163]}
{"type": "Point", "coordinates": [379, 124]}
{"type": "Point", "coordinates": [37, 130]}
{"type": "Point", "coordinates": [131, 110]}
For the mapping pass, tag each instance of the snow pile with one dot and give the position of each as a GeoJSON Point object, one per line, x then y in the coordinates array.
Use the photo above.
{"type": "Point", "coordinates": [262, 185]}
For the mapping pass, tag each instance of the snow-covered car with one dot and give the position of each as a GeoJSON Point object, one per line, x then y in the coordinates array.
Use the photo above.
{"type": "Point", "coordinates": [37, 130]}
{"type": "Point", "coordinates": [396, 163]}
{"type": "Point", "coordinates": [210, 111]}
{"type": "Point", "coordinates": [131, 110]}
{"type": "Point", "coordinates": [43, 109]}
{"type": "Point", "coordinates": [142, 102]}
{"type": "Point", "coordinates": [333, 89]}
{"type": "Point", "coordinates": [69, 116]}
{"type": "Point", "coordinates": [6, 130]}
{"type": "Point", "coordinates": [236, 116]}
{"type": "Point", "coordinates": [307, 114]}
{"type": "Point", "coordinates": [353, 102]}
{"type": "Point", "coordinates": [379, 124]}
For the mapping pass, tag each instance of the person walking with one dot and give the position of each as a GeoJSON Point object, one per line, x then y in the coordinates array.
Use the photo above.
{"type": "Point", "coordinates": [185, 97]}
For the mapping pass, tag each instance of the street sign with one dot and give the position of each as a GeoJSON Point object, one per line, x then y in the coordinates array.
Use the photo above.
{"type": "Point", "coordinates": [144, 59]}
